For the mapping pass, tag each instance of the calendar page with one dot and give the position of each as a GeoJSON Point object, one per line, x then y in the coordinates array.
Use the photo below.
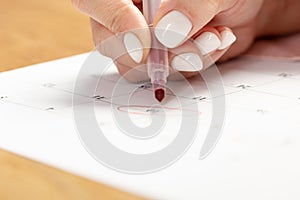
{"type": "Point", "coordinates": [254, 156]}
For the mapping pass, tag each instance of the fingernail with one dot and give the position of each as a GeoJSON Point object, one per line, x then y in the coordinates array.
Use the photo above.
{"type": "Point", "coordinates": [228, 38]}
{"type": "Point", "coordinates": [188, 62]}
{"type": "Point", "coordinates": [133, 47]}
{"type": "Point", "coordinates": [172, 29]}
{"type": "Point", "coordinates": [207, 42]}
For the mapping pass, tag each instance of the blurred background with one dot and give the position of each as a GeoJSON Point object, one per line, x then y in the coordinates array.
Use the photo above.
{"type": "Point", "coordinates": [34, 31]}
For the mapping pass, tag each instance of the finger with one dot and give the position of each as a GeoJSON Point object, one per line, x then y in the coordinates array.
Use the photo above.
{"type": "Point", "coordinates": [178, 20]}
{"type": "Point", "coordinates": [120, 16]}
{"type": "Point", "coordinates": [244, 41]}
{"type": "Point", "coordinates": [134, 75]}
{"type": "Point", "coordinates": [209, 45]}
{"type": "Point", "coordinates": [208, 40]}
{"type": "Point", "coordinates": [227, 37]}
{"type": "Point", "coordinates": [192, 56]}
{"type": "Point", "coordinates": [111, 45]}
{"type": "Point", "coordinates": [99, 32]}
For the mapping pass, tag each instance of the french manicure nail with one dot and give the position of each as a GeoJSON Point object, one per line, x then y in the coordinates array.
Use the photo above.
{"type": "Point", "coordinates": [188, 62]}
{"type": "Point", "coordinates": [133, 47]}
{"type": "Point", "coordinates": [207, 42]}
{"type": "Point", "coordinates": [172, 29]}
{"type": "Point", "coordinates": [228, 38]}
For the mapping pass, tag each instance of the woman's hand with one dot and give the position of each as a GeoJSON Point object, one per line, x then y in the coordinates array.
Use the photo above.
{"type": "Point", "coordinates": [214, 25]}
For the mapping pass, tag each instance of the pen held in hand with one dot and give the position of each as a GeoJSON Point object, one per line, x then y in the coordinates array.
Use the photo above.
{"type": "Point", "coordinates": [158, 69]}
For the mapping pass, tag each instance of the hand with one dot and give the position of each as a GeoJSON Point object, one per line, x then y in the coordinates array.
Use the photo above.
{"type": "Point", "coordinates": [212, 24]}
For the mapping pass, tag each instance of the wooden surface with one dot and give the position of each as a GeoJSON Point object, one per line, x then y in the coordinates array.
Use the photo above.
{"type": "Point", "coordinates": [24, 179]}
{"type": "Point", "coordinates": [34, 31]}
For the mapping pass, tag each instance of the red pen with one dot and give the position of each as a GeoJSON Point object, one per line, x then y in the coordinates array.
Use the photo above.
{"type": "Point", "coordinates": [158, 69]}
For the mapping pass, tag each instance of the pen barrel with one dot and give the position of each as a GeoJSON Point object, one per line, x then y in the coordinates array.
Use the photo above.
{"type": "Point", "coordinates": [158, 61]}
{"type": "Point", "coordinates": [158, 66]}
{"type": "Point", "coordinates": [159, 81]}
{"type": "Point", "coordinates": [150, 8]}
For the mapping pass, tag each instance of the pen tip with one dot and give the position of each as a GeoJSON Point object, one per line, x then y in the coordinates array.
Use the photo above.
{"type": "Point", "coordinates": [159, 94]}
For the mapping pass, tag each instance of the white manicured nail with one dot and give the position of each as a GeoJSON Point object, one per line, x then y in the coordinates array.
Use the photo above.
{"type": "Point", "coordinates": [172, 29]}
{"type": "Point", "coordinates": [207, 42]}
{"type": "Point", "coordinates": [133, 47]}
{"type": "Point", "coordinates": [228, 38]}
{"type": "Point", "coordinates": [188, 62]}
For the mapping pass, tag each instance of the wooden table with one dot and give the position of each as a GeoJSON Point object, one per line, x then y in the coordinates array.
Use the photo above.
{"type": "Point", "coordinates": [34, 31]}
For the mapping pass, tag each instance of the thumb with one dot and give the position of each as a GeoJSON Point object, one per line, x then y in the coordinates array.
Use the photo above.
{"type": "Point", "coordinates": [119, 16]}
{"type": "Point", "coordinates": [178, 20]}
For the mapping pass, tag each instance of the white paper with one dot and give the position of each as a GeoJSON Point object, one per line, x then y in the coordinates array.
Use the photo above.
{"type": "Point", "coordinates": [257, 156]}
